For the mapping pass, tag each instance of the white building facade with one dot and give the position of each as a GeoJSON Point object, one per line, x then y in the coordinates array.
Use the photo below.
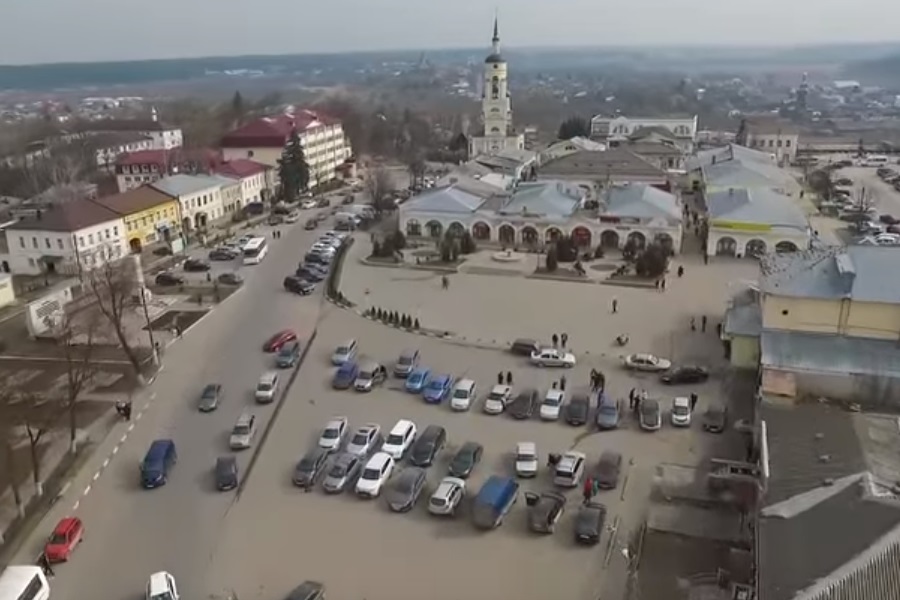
{"type": "Point", "coordinates": [620, 129]}
{"type": "Point", "coordinates": [199, 198]}
{"type": "Point", "coordinates": [256, 179]}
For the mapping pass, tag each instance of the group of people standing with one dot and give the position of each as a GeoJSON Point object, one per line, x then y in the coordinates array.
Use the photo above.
{"type": "Point", "coordinates": [560, 340]}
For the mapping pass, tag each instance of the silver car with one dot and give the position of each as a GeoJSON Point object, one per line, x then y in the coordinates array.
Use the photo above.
{"type": "Point", "coordinates": [344, 353]}
{"type": "Point", "coordinates": [365, 440]}
{"type": "Point", "coordinates": [334, 434]}
{"type": "Point", "coordinates": [343, 472]}
{"type": "Point", "coordinates": [243, 432]}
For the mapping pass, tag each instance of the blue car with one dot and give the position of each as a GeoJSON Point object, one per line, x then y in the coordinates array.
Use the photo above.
{"type": "Point", "coordinates": [417, 380]}
{"type": "Point", "coordinates": [437, 389]}
{"type": "Point", "coordinates": [345, 376]}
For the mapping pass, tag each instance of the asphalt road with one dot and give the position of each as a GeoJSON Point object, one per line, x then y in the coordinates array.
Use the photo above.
{"type": "Point", "coordinates": [132, 532]}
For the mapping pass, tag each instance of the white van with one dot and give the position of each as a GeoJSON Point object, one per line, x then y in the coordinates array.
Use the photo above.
{"type": "Point", "coordinates": [874, 160]}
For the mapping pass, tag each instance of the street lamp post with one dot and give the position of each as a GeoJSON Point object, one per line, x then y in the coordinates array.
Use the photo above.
{"type": "Point", "coordinates": [153, 346]}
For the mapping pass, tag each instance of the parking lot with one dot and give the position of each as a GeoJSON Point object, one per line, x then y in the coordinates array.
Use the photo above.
{"type": "Point", "coordinates": [277, 536]}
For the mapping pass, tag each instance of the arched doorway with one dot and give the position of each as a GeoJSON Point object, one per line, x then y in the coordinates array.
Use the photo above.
{"type": "Point", "coordinates": [481, 231]}
{"type": "Point", "coordinates": [529, 235]}
{"type": "Point", "coordinates": [507, 234]}
{"type": "Point", "coordinates": [200, 220]}
{"type": "Point", "coordinates": [665, 241]}
{"type": "Point", "coordinates": [413, 228]}
{"type": "Point", "coordinates": [726, 246]}
{"type": "Point", "coordinates": [755, 248]}
{"type": "Point", "coordinates": [582, 237]}
{"type": "Point", "coordinates": [552, 234]}
{"type": "Point", "coordinates": [609, 239]}
{"type": "Point", "coordinates": [786, 247]}
{"type": "Point", "coordinates": [186, 224]}
{"type": "Point", "coordinates": [135, 245]}
{"type": "Point", "coordinates": [456, 229]}
{"type": "Point", "coordinates": [636, 239]}
{"type": "Point", "coordinates": [435, 229]}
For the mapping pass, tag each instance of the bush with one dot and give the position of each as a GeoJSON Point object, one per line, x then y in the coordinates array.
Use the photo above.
{"type": "Point", "coordinates": [404, 322]}
{"type": "Point", "coordinates": [398, 241]}
{"type": "Point", "coordinates": [376, 249]}
{"type": "Point", "coordinates": [552, 262]}
{"type": "Point", "coordinates": [416, 324]}
{"type": "Point", "coordinates": [599, 252]}
{"type": "Point", "coordinates": [629, 250]}
{"type": "Point", "coordinates": [566, 250]}
{"type": "Point", "coordinates": [378, 314]}
{"type": "Point", "coordinates": [467, 244]}
{"type": "Point", "coordinates": [449, 249]}
{"type": "Point", "coordinates": [652, 262]}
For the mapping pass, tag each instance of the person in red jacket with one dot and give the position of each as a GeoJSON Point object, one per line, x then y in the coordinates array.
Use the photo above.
{"type": "Point", "coordinates": [588, 490]}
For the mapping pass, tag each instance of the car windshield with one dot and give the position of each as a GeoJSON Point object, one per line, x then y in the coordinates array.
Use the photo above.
{"type": "Point", "coordinates": [241, 430]}
{"type": "Point", "coordinates": [342, 350]}
{"type": "Point", "coordinates": [437, 501]}
{"type": "Point", "coordinates": [332, 433]}
{"type": "Point", "coordinates": [552, 401]}
{"type": "Point", "coordinates": [405, 360]}
{"type": "Point", "coordinates": [337, 471]}
{"type": "Point", "coordinates": [264, 386]}
{"type": "Point", "coordinates": [649, 408]}
{"type": "Point", "coordinates": [608, 409]}
{"type": "Point", "coordinates": [360, 439]}
{"type": "Point", "coordinates": [371, 474]}
{"type": "Point", "coordinates": [435, 384]}
{"type": "Point", "coordinates": [209, 391]}
{"type": "Point", "coordinates": [57, 538]}
{"type": "Point", "coordinates": [307, 465]}
{"type": "Point", "coordinates": [680, 411]}
{"type": "Point", "coordinates": [366, 374]}
{"type": "Point", "coordinates": [495, 396]}
{"type": "Point", "coordinates": [525, 455]}
{"type": "Point", "coordinates": [460, 393]}
{"type": "Point", "coordinates": [394, 440]}
{"type": "Point", "coordinates": [163, 596]}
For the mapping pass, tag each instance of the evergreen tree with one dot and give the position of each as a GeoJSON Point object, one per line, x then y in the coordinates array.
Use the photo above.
{"type": "Point", "coordinates": [238, 110]}
{"type": "Point", "coordinates": [293, 170]}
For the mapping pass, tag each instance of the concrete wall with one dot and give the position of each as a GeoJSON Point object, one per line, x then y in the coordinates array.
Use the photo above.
{"type": "Point", "coordinates": [880, 392]}
{"type": "Point", "coordinates": [745, 352]}
{"type": "Point", "coordinates": [874, 320]}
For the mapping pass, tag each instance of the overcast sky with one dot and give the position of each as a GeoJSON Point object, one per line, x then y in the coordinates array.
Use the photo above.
{"type": "Point", "coordinates": [36, 31]}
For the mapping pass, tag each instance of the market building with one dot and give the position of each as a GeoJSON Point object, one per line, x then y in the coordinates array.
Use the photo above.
{"type": "Point", "coordinates": [753, 221]}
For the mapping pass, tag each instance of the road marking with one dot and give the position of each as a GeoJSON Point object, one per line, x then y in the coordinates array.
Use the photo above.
{"type": "Point", "coordinates": [138, 417]}
{"type": "Point", "coordinates": [116, 449]}
{"type": "Point", "coordinates": [146, 406]}
{"type": "Point", "coordinates": [105, 463]}
{"type": "Point", "coordinates": [87, 491]}
{"type": "Point", "coordinates": [96, 476]}
{"type": "Point", "coordinates": [131, 428]}
{"type": "Point", "coordinates": [153, 396]}
{"type": "Point", "coordinates": [123, 438]}
{"type": "Point", "coordinates": [77, 504]}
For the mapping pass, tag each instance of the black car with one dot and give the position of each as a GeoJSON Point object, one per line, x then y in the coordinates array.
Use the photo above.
{"type": "Point", "coordinates": [523, 405]}
{"type": "Point", "coordinates": [296, 285]}
{"type": "Point", "coordinates": [308, 590]}
{"type": "Point", "coordinates": [275, 220]}
{"type": "Point", "coordinates": [311, 224]}
{"type": "Point", "coordinates": [544, 511]}
{"type": "Point", "coordinates": [685, 374]}
{"type": "Point", "coordinates": [196, 265]}
{"type": "Point", "coordinates": [406, 489]}
{"type": "Point", "coordinates": [578, 408]}
{"type": "Point", "coordinates": [309, 274]}
{"type": "Point", "coordinates": [715, 418]}
{"type": "Point", "coordinates": [589, 523]}
{"type": "Point", "coordinates": [166, 278]}
{"type": "Point", "coordinates": [230, 279]}
{"type": "Point", "coordinates": [465, 460]}
{"type": "Point", "coordinates": [310, 467]}
{"type": "Point", "coordinates": [222, 254]}
{"type": "Point", "coordinates": [524, 347]}
{"type": "Point", "coordinates": [226, 473]}
{"type": "Point", "coordinates": [427, 446]}
{"type": "Point", "coordinates": [281, 209]}
{"type": "Point", "coordinates": [608, 470]}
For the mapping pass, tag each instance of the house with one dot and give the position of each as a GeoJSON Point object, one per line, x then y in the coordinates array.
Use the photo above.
{"type": "Point", "coordinates": [610, 130]}
{"type": "Point", "coordinates": [775, 136]}
{"type": "Point", "coordinates": [107, 147]}
{"type": "Point", "coordinates": [595, 170]}
{"type": "Point", "coordinates": [200, 198]}
{"type": "Point", "coordinates": [68, 238]}
{"type": "Point", "coordinates": [134, 169]}
{"type": "Point", "coordinates": [639, 214]}
{"type": "Point", "coordinates": [264, 139]}
{"type": "Point", "coordinates": [162, 135]}
{"type": "Point", "coordinates": [828, 323]}
{"type": "Point", "coordinates": [562, 148]}
{"type": "Point", "coordinates": [256, 179]}
{"type": "Point", "coordinates": [734, 166]}
{"type": "Point", "coordinates": [231, 193]}
{"type": "Point", "coordinates": [54, 196]}
{"type": "Point", "coordinates": [751, 222]}
{"type": "Point", "coordinates": [149, 215]}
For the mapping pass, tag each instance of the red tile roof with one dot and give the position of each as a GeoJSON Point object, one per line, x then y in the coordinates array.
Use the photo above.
{"type": "Point", "coordinates": [203, 158]}
{"type": "Point", "coordinates": [240, 168]}
{"type": "Point", "coordinates": [69, 217]}
{"type": "Point", "coordinates": [273, 132]}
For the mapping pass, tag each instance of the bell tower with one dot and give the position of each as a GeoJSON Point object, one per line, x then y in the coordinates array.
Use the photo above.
{"type": "Point", "coordinates": [496, 110]}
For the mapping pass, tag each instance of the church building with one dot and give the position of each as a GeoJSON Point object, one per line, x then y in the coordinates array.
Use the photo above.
{"type": "Point", "coordinates": [496, 110]}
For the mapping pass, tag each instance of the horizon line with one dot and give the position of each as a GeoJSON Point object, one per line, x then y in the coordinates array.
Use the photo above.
{"type": "Point", "coordinates": [550, 48]}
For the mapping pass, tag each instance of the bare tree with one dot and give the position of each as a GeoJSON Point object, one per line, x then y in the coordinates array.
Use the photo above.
{"type": "Point", "coordinates": [77, 337]}
{"type": "Point", "coordinates": [114, 287]}
{"type": "Point", "coordinates": [9, 437]}
{"type": "Point", "coordinates": [379, 186]}
{"type": "Point", "coordinates": [38, 414]}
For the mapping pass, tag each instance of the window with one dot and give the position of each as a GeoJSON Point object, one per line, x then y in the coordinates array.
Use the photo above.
{"type": "Point", "coordinates": [249, 153]}
{"type": "Point", "coordinates": [116, 230]}
{"type": "Point", "coordinates": [81, 241]}
{"type": "Point", "coordinates": [779, 143]}
{"type": "Point", "coordinates": [59, 243]}
{"type": "Point", "coordinates": [771, 143]}
{"type": "Point", "coordinates": [91, 239]}
{"type": "Point", "coordinates": [21, 241]}
{"type": "Point", "coordinates": [47, 243]}
{"type": "Point", "coordinates": [34, 242]}
{"type": "Point", "coordinates": [787, 143]}
{"type": "Point", "coordinates": [106, 231]}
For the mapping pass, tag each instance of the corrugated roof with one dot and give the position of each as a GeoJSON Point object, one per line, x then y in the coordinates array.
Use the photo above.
{"type": "Point", "coordinates": [614, 162]}
{"type": "Point", "coordinates": [185, 185]}
{"type": "Point", "coordinates": [451, 199]}
{"type": "Point", "coordinates": [756, 205]}
{"type": "Point", "coordinates": [825, 353]}
{"type": "Point", "coordinates": [552, 199]}
{"type": "Point", "coordinates": [641, 201]}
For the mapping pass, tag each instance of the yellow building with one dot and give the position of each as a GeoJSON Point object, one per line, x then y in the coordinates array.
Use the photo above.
{"type": "Point", "coordinates": [150, 216]}
{"type": "Point", "coordinates": [828, 323]}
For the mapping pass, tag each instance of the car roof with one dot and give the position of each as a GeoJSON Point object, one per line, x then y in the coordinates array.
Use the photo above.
{"type": "Point", "coordinates": [500, 389]}
{"type": "Point", "coordinates": [244, 418]}
{"type": "Point", "coordinates": [470, 446]}
{"type": "Point", "coordinates": [402, 425]}
{"type": "Point", "coordinates": [432, 431]}
{"type": "Point", "coordinates": [226, 460]}
{"type": "Point", "coordinates": [368, 364]}
{"type": "Point", "coordinates": [158, 583]}
{"type": "Point", "coordinates": [368, 427]}
{"type": "Point", "coordinates": [345, 458]}
{"type": "Point", "coordinates": [316, 453]}
{"type": "Point", "coordinates": [650, 403]}
{"type": "Point", "coordinates": [379, 459]}
{"type": "Point", "coordinates": [410, 474]}
{"type": "Point", "coordinates": [681, 401]}
{"type": "Point", "coordinates": [610, 455]}
{"type": "Point", "coordinates": [554, 393]}
{"type": "Point", "coordinates": [408, 353]}
{"type": "Point", "coordinates": [465, 383]}
{"type": "Point", "coordinates": [65, 524]}
{"type": "Point", "coordinates": [642, 355]}
{"type": "Point", "coordinates": [160, 445]}
{"type": "Point", "coordinates": [269, 376]}
{"type": "Point", "coordinates": [447, 484]}
{"type": "Point", "coordinates": [579, 397]}
{"type": "Point", "coordinates": [336, 422]}
{"type": "Point", "coordinates": [346, 344]}
{"type": "Point", "coordinates": [527, 447]}
{"type": "Point", "coordinates": [441, 377]}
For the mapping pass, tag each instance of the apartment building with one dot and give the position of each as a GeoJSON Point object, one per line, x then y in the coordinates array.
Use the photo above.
{"type": "Point", "coordinates": [134, 169]}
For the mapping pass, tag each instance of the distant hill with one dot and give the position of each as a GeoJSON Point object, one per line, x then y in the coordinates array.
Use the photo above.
{"type": "Point", "coordinates": [883, 71]}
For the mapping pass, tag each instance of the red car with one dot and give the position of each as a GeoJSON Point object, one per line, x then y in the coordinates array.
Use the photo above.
{"type": "Point", "coordinates": [66, 535]}
{"type": "Point", "coordinates": [278, 340]}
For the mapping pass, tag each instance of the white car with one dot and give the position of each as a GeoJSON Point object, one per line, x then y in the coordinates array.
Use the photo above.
{"type": "Point", "coordinates": [374, 475]}
{"type": "Point", "coordinates": [887, 239]}
{"type": "Point", "coordinates": [364, 440]}
{"type": "Point", "coordinates": [162, 587]}
{"type": "Point", "coordinates": [292, 218]}
{"type": "Point", "coordinates": [552, 404]}
{"type": "Point", "coordinates": [333, 435]}
{"type": "Point", "coordinates": [551, 357]}
{"type": "Point", "coordinates": [646, 362]}
{"type": "Point", "coordinates": [447, 497]}
{"type": "Point", "coordinates": [307, 204]}
{"type": "Point", "coordinates": [498, 399]}
{"type": "Point", "coordinates": [400, 439]}
{"type": "Point", "coordinates": [526, 459]}
{"type": "Point", "coordinates": [462, 395]}
{"type": "Point", "coordinates": [681, 412]}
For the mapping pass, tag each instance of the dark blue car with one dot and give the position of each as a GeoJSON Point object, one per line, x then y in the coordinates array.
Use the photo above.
{"type": "Point", "coordinates": [437, 389]}
{"type": "Point", "coordinates": [345, 376]}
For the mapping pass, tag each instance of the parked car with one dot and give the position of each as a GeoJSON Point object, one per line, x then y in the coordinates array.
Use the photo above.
{"type": "Point", "coordinates": [447, 497]}
{"type": "Point", "coordinates": [685, 374]}
{"type": "Point", "coordinates": [275, 220]}
{"type": "Point", "coordinates": [309, 274]}
{"type": "Point", "coordinates": [646, 362]}
{"type": "Point", "coordinates": [427, 446]}
{"type": "Point", "coordinates": [334, 434]}
{"type": "Point", "coordinates": [342, 473]}
{"type": "Point", "coordinates": [525, 347]}
{"type": "Point", "coordinates": [310, 224]}
{"type": "Point", "coordinates": [589, 523]}
{"type": "Point", "coordinates": [370, 374]}
{"type": "Point", "coordinates": [417, 380]}
{"type": "Point", "coordinates": [406, 363]}
{"type": "Point", "coordinates": [545, 511]}
{"type": "Point", "coordinates": [196, 265]}
{"type": "Point", "coordinates": [274, 343]}
{"type": "Point", "coordinates": [522, 407]}
{"type": "Point", "coordinates": [345, 376]}
{"type": "Point", "coordinates": [66, 536]}
{"type": "Point", "coordinates": [715, 418]}
{"type": "Point", "coordinates": [608, 469]}
{"type": "Point", "coordinates": [649, 415]}
{"type": "Point", "coordinates": [681, 412]}
{"type": "Point", "coordinates": [209, 397]}
{"type": "Point", "coordinates": [344, 352]}
{"type": "Point", "coordinates": [552, 404]}
{"type": "Point", "coordinates": [222, 254]}
{"type": "Point", "coordinates": [552, 357]}
{"type": "Point", "coordinates": [437, 388]}
{"type": "Point", "coordinates": [463, 394]}
{"type": "Point", "coordinates": [497, 401]}
{"type": "Point", "coordinates": [166, 278]}
{"type": "Point", "coordinates": [230, 279]}
{"type": "Point", "coordinates": [526, 459]}
{"type": "Point", "coordinates": [578, 408]}
{"type": "Point", "coordinates": [406, 489]}
{"type": "Point", "coordinates": [365, 440]}
{"type": "Point", "coordinates": [609, 412]}
{"type": "Point", "coordinates": [297, 285]}
{"type": "Point", "coordinates": [375, 475]}
{"type": "Point", "coordinates": [310, 468]}
{"type": "Point", "coordinates": [226, 473]}
{"type": "Point", "coordinates": [465, 460]}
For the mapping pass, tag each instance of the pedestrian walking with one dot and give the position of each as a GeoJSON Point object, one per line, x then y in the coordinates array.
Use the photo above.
{"type": "Point", "coordinates": [719, 329]}
{"type": "Point", "coordinates": [601, 381]}
{"type": "Point", "coordinates": [705, 258]}
{"type": "Point", "coordinates": [45, 565]}
{"type": "Point", "coordinates": [500, 378]}
{"type": "Point", "coordinates": [126, 411]}
{"type": "Point", "coordinates": [703, 323]}
{"type": "Point", "coordinates": [588, 489]}
{"type": "Point", "coordinates": [680, 270]}
{"type": "Point", "coordinates": [445, 282]}
{"type": "Point", "coordinates": [564, 339]}
{"type": "Point", "coordinates": [693, 324]}
{"type": "Point", "coordinates": [509, 378]}
{"type": "Point", "coordinates": [555, 339]}
{"type": "Point", "coordinates": [593, 379]}
{"type": "Point", "coordinates": [694, 399]}
{"type": "Point", "coordinates": [615, 305]}
{"type": "Point", "coordinates": [562, 383]}
{"type": "Point", "coordinates": [662, 284]}
{"type": "Point", "coordinates": [632, 394]}
{"type": "Point", "coordinates": [595, 487]}
{"type": "Point", "coordinates": [656, 284]}
{"type": "Point", "coordinates": [554, 384]}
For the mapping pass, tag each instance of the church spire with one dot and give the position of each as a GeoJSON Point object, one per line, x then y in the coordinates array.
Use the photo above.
{"type": "Point", "coordinates": [495, 41]}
